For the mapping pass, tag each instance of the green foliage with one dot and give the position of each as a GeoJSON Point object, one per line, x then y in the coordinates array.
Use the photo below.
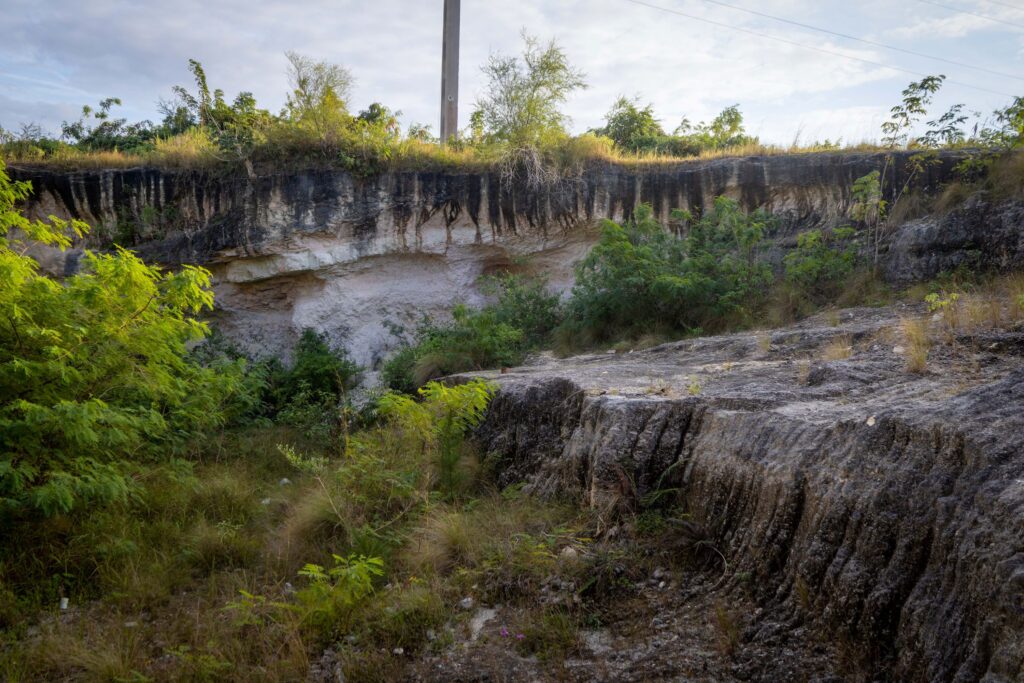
{"type": "Point", "coordinates": [439, 423]}
{"type": "Point", "coordinates": [641, 277]}
{"type": "Point", "coordinates": [821, 263]}
{"type": "Point", "coordinates": [916, 98]}
{"type": "Point", "coordinates": [498, 335]}
{"type": "Point", "coordinates": [724, 131]}
{"type": "Point", "coordinates": [330, 597]}
{"type": "Point", "coordinates": [630, 126]}
{"type": "Point", "coordinates": [520, 106]}
{"type": "Point", "coordinates": [319, 95]}
{"type": "Point", "coordinates": [635, 129]}
{"type": "Point", "coordinates": [525, 304]}
{"type": "Point", "coordinates": [96, 130]}
{"type": "Point", "coordinates": [235, 128]}
{"type": "Point", "coordinates": [316, 367]}
{"type": "Point", "coordinates": [94, 370]}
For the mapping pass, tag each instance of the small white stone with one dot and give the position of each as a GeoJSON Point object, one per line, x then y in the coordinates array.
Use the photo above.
{"type": "Point", "coordinates": [569, 553]}
{"type": "Point", "coordinates": [285, 481]}
{"type": "Point", "coordinates": [466, 603]}
{"type": "Point", "coordinates": [871, 421]}
{"type": "Point", "coordinates": [898, 349]}
{"type": "Point", "coordinates": [265, 501]}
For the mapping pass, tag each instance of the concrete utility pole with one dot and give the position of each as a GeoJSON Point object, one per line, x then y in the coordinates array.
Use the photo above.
{"type": "Point", "coordinates": [450, 72]}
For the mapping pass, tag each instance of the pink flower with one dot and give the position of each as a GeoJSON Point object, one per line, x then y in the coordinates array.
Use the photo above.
{"type": "Point", "coordinates": [519, 636]}
{"type": "Point", "coordinates": [504, 632]}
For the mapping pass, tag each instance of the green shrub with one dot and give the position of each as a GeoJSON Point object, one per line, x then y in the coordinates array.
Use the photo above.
{"type": "Point", "coordinates": [316, 368]}
{"type": "Point", "coordinates": [641, 278]}
{"type": "Point", "coordinates": [473, 340]}
{"type": "Point", "coordinates": [525, 304]}
{"type": "Point", "coordinates": [332, 594]}
{"type": "Point", "coordinates": [94, 372]}
{"type": "Point", "coordinates": [498, 335]}
{"type": "Point", "coordinates": [439, 422]}
{"type": "Point", "coordinates": [821, 263]}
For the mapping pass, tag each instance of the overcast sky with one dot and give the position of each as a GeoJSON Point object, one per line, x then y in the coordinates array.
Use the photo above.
{"type": "Point", "coordinates": [56, 55]}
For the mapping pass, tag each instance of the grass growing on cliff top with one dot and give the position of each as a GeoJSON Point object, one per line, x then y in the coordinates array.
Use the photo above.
{"type": "Point", "coordinates": [518, 116]}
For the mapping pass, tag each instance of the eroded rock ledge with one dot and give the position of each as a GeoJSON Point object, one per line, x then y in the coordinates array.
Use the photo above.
{"type": "Point", "coordinates": [359, 259]}
{"type": "Point", "coordinates": [883, 506]}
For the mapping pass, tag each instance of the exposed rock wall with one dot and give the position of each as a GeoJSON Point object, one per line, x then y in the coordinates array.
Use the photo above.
{"type": "Point", "coordinates": [884, 506]}
{"type": "Point", "coordinates": [360, 258]}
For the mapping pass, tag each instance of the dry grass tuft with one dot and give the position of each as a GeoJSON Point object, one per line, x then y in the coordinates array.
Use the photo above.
{"type": "Point", "coordinates": [803, 372]}
{"type": "Point", "coordinates": [839, 348]}
{"type": "Point", "coordinates": [918, 343]}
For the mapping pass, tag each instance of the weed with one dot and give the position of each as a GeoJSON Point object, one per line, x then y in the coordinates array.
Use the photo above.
{"type": "Point", "coordinates": [839, 348]}
{"type": "Point", "coordinates": [551, 635]}
{"type": "Point", "coordinates": [727, 630]}
{"type": "Point", "coordinates": [915, 332]}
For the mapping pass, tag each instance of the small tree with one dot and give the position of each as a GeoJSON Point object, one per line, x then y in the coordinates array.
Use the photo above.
{"type": "Point", "coordinates": [97, 130]}
{"type": "Point", "coordinates": [868, 206]}
{"type": "Point", "coordinates": [725, 130]}
{"type": "Point", "coordinates": [630, 126]}
{"type": "Point", "coordinates": [319, 96]}
{"type": "Point", "coordinates": [521, 106]}
{"type": "Point", "coordinates": [916, 98]}
{"type": "Point", "coordinates": [94, 372]}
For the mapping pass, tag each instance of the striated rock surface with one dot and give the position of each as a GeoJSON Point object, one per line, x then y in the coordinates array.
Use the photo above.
{"type": "Point", "coordinates": [884, 507]}
{"type": "Point", "coordinates": [981, 235]}
{"type": "Point", "coordinates": [361, 258]}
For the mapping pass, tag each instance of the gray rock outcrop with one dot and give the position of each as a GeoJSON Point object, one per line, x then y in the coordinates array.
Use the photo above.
{"type": "Point", "coordinates": [361, 258]}
{"type": "Point", "coordinates": [883, 506]}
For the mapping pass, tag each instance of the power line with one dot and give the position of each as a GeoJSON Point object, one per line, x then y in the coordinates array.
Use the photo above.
{"type": "Point", "coordinates": [1006, 4]}
{"type": "Point", "coordinates": [863, 40]}
{"type": "Point", "coordinates": [973, 14]}
{"type": "Point", "coordinates": [812, 47]}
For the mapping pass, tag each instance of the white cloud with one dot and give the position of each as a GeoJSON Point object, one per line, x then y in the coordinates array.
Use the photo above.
{"type": "Point", "coordinates": [63, 54]}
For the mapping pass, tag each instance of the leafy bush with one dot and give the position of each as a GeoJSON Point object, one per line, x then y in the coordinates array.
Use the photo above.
{"type": "Point", "coordinates": [93, 369]}
{"type": "Point", "coordinates": [316, 367]}
{"type": "Point", "coordinates": [498, 335]}
{"type": "Point", "coordinates": [520, 106]}
{"type": "Point", "coordinates": [821, 263]}
{"type": "Point", "coordinates": [525, 304]}
{"type": "Point", "coordinates": [641, 277]}
{"type": "Point", "coordinates": [473, 340]}
{"type": "Point", "coordinates": [635, 129]}
{"type": "Point", "coordinates": [439, 422]}
{"type": "Point", "coordinates": [332, 594]}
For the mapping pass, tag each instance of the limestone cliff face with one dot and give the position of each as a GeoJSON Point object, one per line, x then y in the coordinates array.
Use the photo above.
{"type": "Point", "coordinates": [359, 258]}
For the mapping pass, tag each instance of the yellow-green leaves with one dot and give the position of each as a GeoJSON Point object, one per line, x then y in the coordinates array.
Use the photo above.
{"type": "Point", "coordinates": [93, 368]}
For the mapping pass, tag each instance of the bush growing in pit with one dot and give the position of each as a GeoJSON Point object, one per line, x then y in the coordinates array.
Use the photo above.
{"type": "Point", "coordinates": [641, 277]}
{"type": "Point", "coordinates": [500, 334]}
{"type": "Point", "coordinates": [94, 371]}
